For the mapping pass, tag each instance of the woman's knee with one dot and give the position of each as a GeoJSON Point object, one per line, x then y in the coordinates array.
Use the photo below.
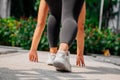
{"type": "Point", "coordinates": [70, 23]}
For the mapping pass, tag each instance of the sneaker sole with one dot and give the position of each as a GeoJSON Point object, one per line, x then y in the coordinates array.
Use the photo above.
{"type": "Point", "coordinates": [60, 67]}
{"type": "Point", "coordinates": [50, 64]}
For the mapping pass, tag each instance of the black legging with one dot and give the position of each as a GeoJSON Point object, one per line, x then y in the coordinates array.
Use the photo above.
{"type": "Point", "coordinates": [66, 13]}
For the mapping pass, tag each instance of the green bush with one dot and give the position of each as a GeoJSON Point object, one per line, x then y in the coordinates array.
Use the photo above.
{"type": "Point", "coordinates": [19, 33]}
{"type": "Point", "coordinates": [8, 31]}
{"type": "Point", "coordinates": [25, 32]}
{"type": "Point", "coordinates": [96, 41]}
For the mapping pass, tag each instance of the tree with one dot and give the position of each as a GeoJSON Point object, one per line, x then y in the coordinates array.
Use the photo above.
{"type": "Point", "coordinates": [5, 8]}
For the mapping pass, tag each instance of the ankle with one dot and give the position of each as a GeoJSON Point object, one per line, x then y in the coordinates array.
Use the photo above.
{"type": "Point", "coordinates": [53, 50]}
{"type": "Point", "coordinates": [63, 47]}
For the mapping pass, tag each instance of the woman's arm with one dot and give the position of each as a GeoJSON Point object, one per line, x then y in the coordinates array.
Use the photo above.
{"type": "Point", "coordinates": [42, 14]}
{"type": "Point", "coordinates": [80, 37]}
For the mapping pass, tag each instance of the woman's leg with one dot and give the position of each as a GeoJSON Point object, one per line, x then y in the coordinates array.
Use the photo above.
{"type": "Point", "coordinates": [53, 28]}
{"type": "Point", "coordinates": [54, 24]}
{"type": "Point", "coordinates": [70, 14]}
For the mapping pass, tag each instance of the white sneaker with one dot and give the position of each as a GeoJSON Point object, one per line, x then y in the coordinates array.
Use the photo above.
{"type": "Point", "coordinates": [62, 61]}
{"type": "Point", "coordinates": [51, 58]}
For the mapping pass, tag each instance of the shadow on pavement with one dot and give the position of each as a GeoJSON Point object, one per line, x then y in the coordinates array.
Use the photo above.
{"type": "Point", "coordinates": [100, 70]}
{"type": "Point", "coordinates": [38, 74]}
{"type": "Point", "coordinates": [42, 74]}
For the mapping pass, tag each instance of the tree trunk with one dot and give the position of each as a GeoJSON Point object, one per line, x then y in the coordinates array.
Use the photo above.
{"type": "Point", "coordinates": [118, 21]}
{"type": "Point", "coordinates": [5, 8]}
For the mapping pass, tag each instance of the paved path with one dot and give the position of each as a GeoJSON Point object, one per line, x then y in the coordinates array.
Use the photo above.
{"type": "Point", "coordinates": [15, 66]}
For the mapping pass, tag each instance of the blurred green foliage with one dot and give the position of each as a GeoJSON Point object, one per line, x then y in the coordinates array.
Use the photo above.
{"type": "Point", "coordinates": [96, 41]}
{"type": "Point", "coordinates": [20, 32]}
{"type": "Point", "coordinates": [8, 31]}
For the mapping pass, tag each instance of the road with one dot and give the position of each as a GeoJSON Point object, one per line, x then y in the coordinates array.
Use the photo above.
{"type": "Point", "coordinates": [16, 66]}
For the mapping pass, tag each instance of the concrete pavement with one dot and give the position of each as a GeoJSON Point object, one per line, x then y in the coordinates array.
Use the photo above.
{"type": "Point", "coordinates": [15, 66]}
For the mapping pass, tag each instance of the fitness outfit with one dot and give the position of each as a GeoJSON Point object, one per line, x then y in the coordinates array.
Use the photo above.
{"type": "Point", "coordinates": [64, 13]}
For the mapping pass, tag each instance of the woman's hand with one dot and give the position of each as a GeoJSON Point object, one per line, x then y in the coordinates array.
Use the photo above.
{"type": "Point", "coordinates": [80, 60]}
{"type": "Point", "coordinates": [33, 57]}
